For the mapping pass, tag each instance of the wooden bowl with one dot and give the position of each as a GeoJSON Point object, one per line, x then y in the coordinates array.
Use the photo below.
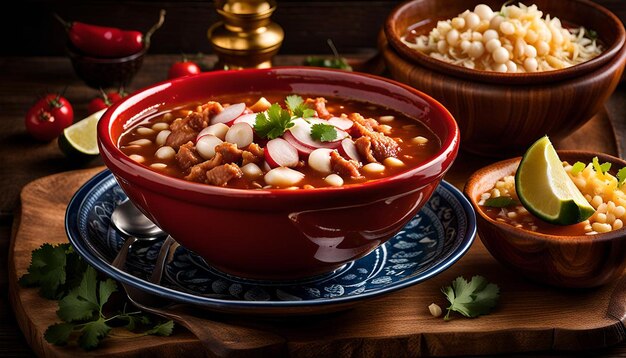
{"type": "Point", "coordinates": [500, 115]}
{"type": "Point", "coordinates": [563, 261]}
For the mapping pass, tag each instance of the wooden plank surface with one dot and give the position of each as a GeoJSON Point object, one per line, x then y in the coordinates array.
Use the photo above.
{"type": "Point", "coordinates": [24, 160]}
{"type": "Point", "coordinates": [394, 325]}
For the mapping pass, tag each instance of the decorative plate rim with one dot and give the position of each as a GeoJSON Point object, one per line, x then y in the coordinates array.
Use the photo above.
{"type": "Point", "coordinates": [85, 251]}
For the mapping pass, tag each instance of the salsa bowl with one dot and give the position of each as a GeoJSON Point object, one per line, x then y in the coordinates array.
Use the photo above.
{"type": "Point", "coordinates": [564, 260]}
{"type": "Point", "coordinates": [501, 114]}
{"type": "Point", "coordinates": [279, 234]}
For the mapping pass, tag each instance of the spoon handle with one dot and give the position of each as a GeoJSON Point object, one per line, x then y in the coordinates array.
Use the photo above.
{"type": "Point", "coordinates": [157, 274]}
{"type": "Point", "coordinates": [120, 260]}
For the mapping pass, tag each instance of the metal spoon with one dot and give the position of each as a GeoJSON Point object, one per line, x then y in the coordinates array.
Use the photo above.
{"type": "Point", "coordinates": [127, 219]}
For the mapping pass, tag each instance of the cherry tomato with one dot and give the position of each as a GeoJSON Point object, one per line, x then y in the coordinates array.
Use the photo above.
{"type": "Point", "coordinates": [183, 68]}
{"type": "Point", "coordinates": [105, 100]}
{"type": "Point", "coordinates": [47, 118]}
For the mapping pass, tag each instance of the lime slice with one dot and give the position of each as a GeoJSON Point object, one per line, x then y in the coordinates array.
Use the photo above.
{"type": "Point", "coordinates": [80, 140]}
{"type": "Point", "coordinates": [545, 189]}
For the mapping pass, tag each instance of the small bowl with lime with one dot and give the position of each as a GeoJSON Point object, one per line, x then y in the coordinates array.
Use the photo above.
{"type": "Point", "coordinates": [556, 217]}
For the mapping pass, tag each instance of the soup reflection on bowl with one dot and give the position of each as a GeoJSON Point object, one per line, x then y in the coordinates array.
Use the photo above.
{"type": "Point", "coordinates": [282, 173]}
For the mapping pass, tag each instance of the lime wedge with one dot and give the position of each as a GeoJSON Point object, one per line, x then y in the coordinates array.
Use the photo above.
{"type": "Point", "coordinates": [545, 189]}
{"type": "Point", "coordinates": [80, 140]}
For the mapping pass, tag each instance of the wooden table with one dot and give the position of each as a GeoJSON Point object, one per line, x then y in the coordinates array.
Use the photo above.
{"type": "Point", "coordinates": [23, 160]}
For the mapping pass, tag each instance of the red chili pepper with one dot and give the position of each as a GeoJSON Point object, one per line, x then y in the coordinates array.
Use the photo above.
{"type": "Point", "coordinates": [103, 41]}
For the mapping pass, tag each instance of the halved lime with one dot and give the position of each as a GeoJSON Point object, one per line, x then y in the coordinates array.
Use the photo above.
{"type": "Point", "coordinates": [80, 140]}
{"type": "Point", "coordinates": [545, 189]}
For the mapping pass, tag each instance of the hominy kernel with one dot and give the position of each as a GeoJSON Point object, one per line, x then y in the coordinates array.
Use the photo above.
{"type": "Point", "coordinates": [511, 214]}
{"type": "Point", "coordinates": [141, 142]}
{"type": "Point", "coordinates": [472, 20]}
{"type": "Point", "coordinates": [493, 45]}
{"type": "Point", "coordinates": [165, 153]}
{"type": "Point", "coordinates": [618, 224]}
{"type": "Point", "coordinates": [620, 211]}
{"type": "Point", "coordinates": [160, 126]}
{"type": "Point", "coordinates": [168, 117]}
{"type": "Point", "coordinates": [419, 140]}
{"type": "Point", "coordinates": [137, 158]}
{"type": "Point", "coordinates": [601, 227]}
{"type": "Point", "coordinates": [162, 137]}
{"type": "Point", "coordinates": [393, 162]}
{"type": "Point", "coordinates": [374, 168]}
{"type": "Point", "coordinates": [458, 23]}
{"type": "Point", "coordinates": [158, 165]}
{"type": "Point", "coordinates": [507, 28]}
{"type": "Point", "coordinates": [435, 310]}
{"type": "Point", "coordinates": [334, 180]}
{"type": "Point", "coordinates": [144, 131]}
{"type": "Point", "coordinates": [308, 186]}
{"type": "Point", "coordinates": [601, 217]}
{"type": "Point", "coordinates": [386, 119]}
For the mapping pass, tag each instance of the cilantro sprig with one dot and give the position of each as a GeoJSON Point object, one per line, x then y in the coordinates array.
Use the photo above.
{"type": "Point", "coordinates": [471, 299]}
{"type": "Point", "coordinates": [578, 167]}
{"type": "Point", "coordinates": [298, 107]}
{"type": "Point", "coordinates": [621, 176]}
{"type": "Point", "coordinates": [61, 274]}
{"type": "Point", "coordinates": [323, 132]}
{"type": "Point", "coordinates": [275, 121]}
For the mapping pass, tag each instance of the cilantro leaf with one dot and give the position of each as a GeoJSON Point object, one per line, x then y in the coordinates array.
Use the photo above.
{"type": "Point", "coordinates": [473, 298]}
{"type": "Point", "coordinates": [273, 123]}
{"type": "Point", "coordinates": [578, 167]}
{"type": "Point", "coordinates": [298, 107]}
{"type": "Point", "coordinates": [500, 202]}
{"type": "Point", "coordinates": [59, 333]}
{"type": "Point", "coordinates": [73, 308]}
{"type": "Point", "coordinates": [163, 329]}
{"type": "Point", "coordinates": [600, 168]}
{"type": "Point", "coordinates": [106, 290]}
{"type": "Point", "coordinates": [621, 176]}
{"type": "Point", "coordinates": [92, 333]}
{"type": "Point", "coordinates": [47, 270]}
{"type": "Point", "coordinates": [134, 321]}
{"type": "Point", "coordinates": [323, 132]}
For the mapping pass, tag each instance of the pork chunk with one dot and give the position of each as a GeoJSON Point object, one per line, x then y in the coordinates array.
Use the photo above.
{"type": "Point", "coordinates": [221, 175]}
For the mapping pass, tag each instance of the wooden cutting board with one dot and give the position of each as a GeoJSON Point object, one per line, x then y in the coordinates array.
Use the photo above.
{"type": "Point", "coordinates": [530, 317]}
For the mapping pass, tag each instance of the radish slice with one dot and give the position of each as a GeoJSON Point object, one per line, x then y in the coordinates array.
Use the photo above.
{"type": "Point", "coordinates": [206, 146]}
{"type": "Point", "coordinates": [279, 153]}
{"type": "Point", "coordinates": [229, 113]}
{"type": "Point", "coordinates": [240, 134]}
{"type": "Point", "coordinates": [348, 150]}
{"type": "Point", "coordinates": [283, 177]}
{"type": "Point", "coordinates": [301, 132]}
{"type": "Point", "coordinates": [319, 160]}
{"type": "Point", "coordinates": [302, 149]}
{"type": "Point", "coordinates": [246, 118]}
{"type": "Point", "coordinates": [341, 123]}
{"type": "Point", "coordinates": [219, 130]}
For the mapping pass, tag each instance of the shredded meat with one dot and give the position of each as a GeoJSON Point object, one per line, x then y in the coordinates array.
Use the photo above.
{"type": "Point", "coordinates": [319, 104]}
{"type": "Point", "coordinates": [198, 171]}
{"type": "Point", "coordinates": [229, 152]}
{"type": "Point", "coordinates": [181, 133]}
{"type": "Point", "coordinates": [369, 123]}
{"type": "Point", "coordinates": [221, 175]}
{"type": "Point", "coordinates": [364, 147]}
{"type": "Point", "coordinates": [253, 154]}
{"type": "Point", "coordinates": [187, 156]}
{"type": "Point", "coordinates": [344, 167]}
{"type": "Point", "coordinates": [381, 146]}
{"type": "Point", "coordinates": [198, 121]}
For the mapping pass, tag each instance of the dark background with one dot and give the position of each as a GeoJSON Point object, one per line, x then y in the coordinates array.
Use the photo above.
{"type": "Point", "coordinates": [28, 27]}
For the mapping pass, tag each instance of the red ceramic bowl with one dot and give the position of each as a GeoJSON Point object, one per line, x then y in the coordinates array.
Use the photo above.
{"type": "Point", "coordinates": [279, 234]}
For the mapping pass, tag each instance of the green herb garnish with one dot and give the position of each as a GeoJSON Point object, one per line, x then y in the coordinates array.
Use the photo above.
{"type": "Point", "coordinates": [500, 202]}
{"type": "Point", "coordinates": [323, 132]}
{"type": "Point", "coordinates": [578, 167]}
{"type": "Point", "coordinates": [298, 108]}
{"type": "Point", "coordinates": [591, 34]}
{"type": "Point", "coordinates": [600, 168]}
{"type": "Point", "coordinates": [273, 123]}
{"type": "Point", "coordinates": [336, 62]}
{"type": "Point", "coordinates": [473, 298]}
{"type": "Point", "coordinates": [621, 177]}
{"type": "Point", "coordinates": [62, 274]}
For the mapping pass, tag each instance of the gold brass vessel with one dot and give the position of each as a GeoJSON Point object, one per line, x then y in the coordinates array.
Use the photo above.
{"type": "Point", "coordinates": [246, 37]}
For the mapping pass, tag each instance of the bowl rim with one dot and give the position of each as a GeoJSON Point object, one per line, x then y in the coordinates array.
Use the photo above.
{"type": "Point", "coordinates": [415, 56]}
{"type": "Point", "coordinates": [475, 178]}
{"type": "Point", "coordinates": [447, 152]}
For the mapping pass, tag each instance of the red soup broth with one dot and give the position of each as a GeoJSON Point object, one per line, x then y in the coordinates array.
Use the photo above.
{"type": "Point", "coordinates": [403, 129]}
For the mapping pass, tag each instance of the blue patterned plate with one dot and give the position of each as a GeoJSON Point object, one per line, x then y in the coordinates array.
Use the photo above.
{"type": "Point", "coordinates": [432, 241]}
